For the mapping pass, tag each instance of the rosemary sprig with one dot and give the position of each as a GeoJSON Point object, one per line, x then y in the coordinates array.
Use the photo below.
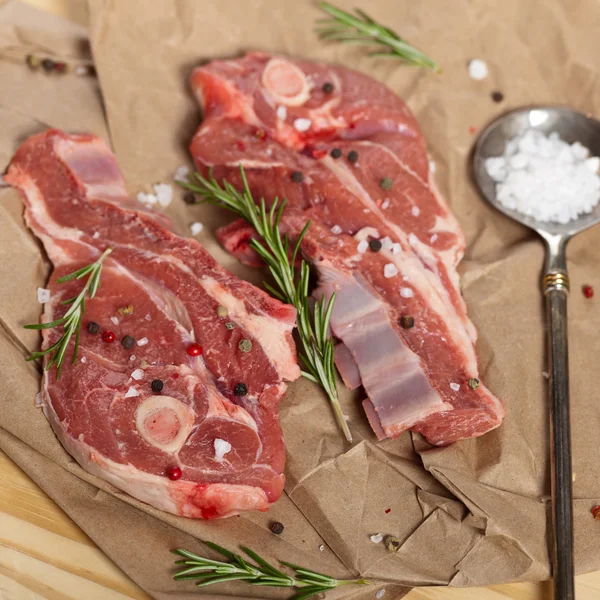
{"type": "Point", "coordinates": [71, 320]}
{"type": "Point", "coordinates": [313, 327]}
{"type": "Point", "coordinates": [361, 29]}
{"type": "Point", "coordinates": [309, 583]}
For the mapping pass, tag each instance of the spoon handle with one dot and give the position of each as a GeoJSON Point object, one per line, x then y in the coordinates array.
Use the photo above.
{"type": "Point", "coordinates": [556, 290]}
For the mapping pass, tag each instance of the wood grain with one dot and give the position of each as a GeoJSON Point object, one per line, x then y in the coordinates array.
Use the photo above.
{"type": "Point", "coordinates": [45, 556]}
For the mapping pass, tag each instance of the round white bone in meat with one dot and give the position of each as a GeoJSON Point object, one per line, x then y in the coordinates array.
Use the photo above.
{"type": "Point", "coordinates": [164, 422]}
{"type": "Point", "coordinates": [285, 82]}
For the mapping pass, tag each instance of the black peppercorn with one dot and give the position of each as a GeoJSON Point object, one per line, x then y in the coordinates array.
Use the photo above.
{"type": "Point", "coordinates": [375, 245]}
{"type": "Point", "coordinates": [497, 96]}
{"type": "Point", "coordinates": [407, 322]}
{"type": "Point", "coordinates": [277, 527]}
{"type": "Point", "coordinates": [189, 198]}
{"type": "Point", "coordinates": [157, 385]}
{"type": "Point", "coordinates": [336, 153]}
{"type": "Point", "coordinates": [128, 342]}
{"type": "Point", "coordinates": [93, 327]}
{"type": "Point", "coordinates": [297, 177]}
{"type": "Point", "coordinates": [240, 389]}
{"type": "Point", "coordinates": [48, 64]}
{"type": "Point", "coordinates": [327, 87]}
{"type": "Point", "coordinates": [353, 156]}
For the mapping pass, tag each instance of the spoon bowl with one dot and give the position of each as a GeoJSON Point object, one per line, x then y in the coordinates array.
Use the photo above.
{"type": "Point", "coordinates": [572, 127]}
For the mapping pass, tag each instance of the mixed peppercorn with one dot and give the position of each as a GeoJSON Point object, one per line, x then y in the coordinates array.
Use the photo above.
{"type": "Point", "coordinates": [49, 65]}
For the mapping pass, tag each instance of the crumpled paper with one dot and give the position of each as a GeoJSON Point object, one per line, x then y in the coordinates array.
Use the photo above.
{"type": "Point", "coordinates": [475, 513]}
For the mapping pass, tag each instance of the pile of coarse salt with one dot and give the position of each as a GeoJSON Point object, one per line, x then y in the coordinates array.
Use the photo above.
{"type": "Point", "coordinates": [546, 178]}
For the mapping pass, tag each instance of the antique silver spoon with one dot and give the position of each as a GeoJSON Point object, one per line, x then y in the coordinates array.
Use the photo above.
{"type": "Point", "coordinates": [571, 126]}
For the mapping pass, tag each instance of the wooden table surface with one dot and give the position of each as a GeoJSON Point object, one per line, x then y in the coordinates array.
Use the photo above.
{"type": "Point", "coordinates": [45, 556]}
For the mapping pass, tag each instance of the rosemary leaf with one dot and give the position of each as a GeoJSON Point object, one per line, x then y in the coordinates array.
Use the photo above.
{"type": "Point", "coordinates": [208, 572]}
{"type": "Point", "coordinates": [360, 28]}
{"type": "Point", "coordinates": [71, 320]}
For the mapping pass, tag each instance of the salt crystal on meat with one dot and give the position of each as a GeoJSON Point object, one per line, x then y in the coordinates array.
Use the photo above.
{"type": "Point", "coordinates": [302, 125]}
{"type": "Point", "coordinates": [222, 447]}
{"type": "Point", "coordinates": [43, 295]}
{"type": "Point", "coordinates": [131, 393]}
{"type": "Point", "coordinates": [137, 374]}
{"type": "Point", "coordinates": [390, 270]}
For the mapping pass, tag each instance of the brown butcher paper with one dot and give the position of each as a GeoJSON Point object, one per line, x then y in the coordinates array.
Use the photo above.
{"type": "Point", "coordinates": [475, 513]}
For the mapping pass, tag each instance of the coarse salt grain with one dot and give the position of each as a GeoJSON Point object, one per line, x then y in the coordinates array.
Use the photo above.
{"type": "Point", "coordinates": [148, 317]}
{"type": "Point", "coordinates": [131, 393]}
{"type": "Point", "coordinates": [222, 447]}
{"type": "Point", "coordinates": [413, 239]}
{"type": "Point", "coordinates": [362, 246]}
{"type": "Point", "coordinates": [545, 178]}
{"type": "Point", "coordinates": [114, 320]}
{"type": "Point", "coordinates": [415, 211]}
{"type": "Point", "coordinates": [322, 547]}
{"type": "Point", "coordinates": [96, 235]}
{"type": "Point", "coordinates": [433, 238]}
{"type": "Point", "coordinates": [181, 173]}
{"type": "Point", "coordinates": [132, 357]}
{"type": "Point", "coordinates": [43, 295]}
{"type": "Point", "coordinates": [83, 359]}
{"type": "Point", "coordinates": [142, 342]}
{"type": "Point", "coordinates": [406, 292]}
{"type": "Point", "coordinates": [376, 538]}
{"type": "Point", "coordinates": [385, 204]}
{"type": "Point", "coordinates": [386, 243]}
{"type": "Point", "coordinates": [390, 270]}
{"type": "Point", "coordinates": [137, 374]}
{"type": "Point", "coordinates": [147, 199]}
{"type": "Point", "coordinates": [164, 193]}
{"type": "Point", "coordinates": [281, 112]}
{"type": "Point", "coordinates": [302, 125]}
{"type": "Point", "coordinates": [336, 229]}
{"type": "Point", "coordinates": [196, 228]}
{"type": "Point", "coordinates": [477, 69]}
{"type": "Point", "coordinates": [455, 386]}
{"type": "Point", "coordinates": [380, 594]}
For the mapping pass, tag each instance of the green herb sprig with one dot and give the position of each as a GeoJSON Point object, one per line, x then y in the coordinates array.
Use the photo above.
{"type": "Point", "coordinates": [206, 571]}
{"type": "Point", "coordinates": [361, 29]}
{"type": "Point", "coordinates": [313, 326]}
{"type": "Point", "coordinates": [71, 320]}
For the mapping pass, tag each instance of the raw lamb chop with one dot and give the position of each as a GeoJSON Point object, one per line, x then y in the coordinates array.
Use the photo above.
{"type": "Point", "coordinates": [208, 443]}
{"type": "Point", "coordinates": [347, 154]}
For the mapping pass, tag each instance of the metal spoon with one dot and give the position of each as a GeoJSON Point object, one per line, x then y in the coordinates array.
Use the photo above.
{"type": "Point", "coordinates": [571, 126]}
